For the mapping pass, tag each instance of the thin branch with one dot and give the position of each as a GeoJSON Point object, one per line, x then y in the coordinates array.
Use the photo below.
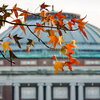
{"type": "Point", "coordinates": [37, 25]}
{"type": "Point", "coordinates": [7, 58]}
{"type": "Point", "coordinates": [39, 38]}
{"type": "Point", "coordinates": [21, 10]}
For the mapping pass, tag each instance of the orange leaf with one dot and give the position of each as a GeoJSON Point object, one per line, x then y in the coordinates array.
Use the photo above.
{"type": "Point", "coordinates": [18, 21]}
{"type": "Point", "coordinates": [27, 48]}
{"type": "Point", "coordinates": [69, 46]}
{"type": "Point", "coordinates": [15, 8]}
{"type": "Point", "coordinates": [83, 32]}
{"type": "Point", "coordinates": [81, 25]}
{"type": "Point", "coordinates": [70, 24]}
{"type": "Point", "coordinates": [60, 16]}
{"type": "Point", "coordinates": [43, 13]}
{"type": "Point", "coordinates": [39, 28]}
{"type": "Point", "coordinates": [51, 32]}
{"type": "Point", "coordinates": [60, 40]}
{"type": "Point", "coordinates": [15, 11]}
{"type": "Point", "coordinates": [25, 14]}
{"type": "Point", "coordinates": [5, 46]}
{"type": "Point", "coordinates": [58, 66]}
{"type": "Point", "coordinates": [54, 40]}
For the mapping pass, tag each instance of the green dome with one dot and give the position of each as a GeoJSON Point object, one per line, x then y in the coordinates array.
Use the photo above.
{"type": "Point", "coordinates": [87, 48]}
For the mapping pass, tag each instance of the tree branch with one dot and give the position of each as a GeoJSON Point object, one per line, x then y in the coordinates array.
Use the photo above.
{"type": "Point", "coordinates": [37, 25]}
{"type": "Point", "coordinates": [7, 58]}
{"type": "Point", "coordinates": [39, 38]}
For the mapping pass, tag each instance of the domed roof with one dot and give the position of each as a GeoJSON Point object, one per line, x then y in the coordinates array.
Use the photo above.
{"type": "Point", "coordinates": [86, 47]}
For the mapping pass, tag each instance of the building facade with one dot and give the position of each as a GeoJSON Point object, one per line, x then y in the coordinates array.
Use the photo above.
{"type": "Point", "coordinates": [33, 78]}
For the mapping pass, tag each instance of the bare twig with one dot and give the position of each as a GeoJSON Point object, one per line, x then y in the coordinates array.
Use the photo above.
{"type": "Point", "coordinates": [39, 38]}
{"type": "Point", "coordinates": [7, 58]}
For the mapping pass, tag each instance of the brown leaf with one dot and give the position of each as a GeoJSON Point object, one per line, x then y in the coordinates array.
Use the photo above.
{"type": "Point", "coordinates": [16, 38]}
{"type": "Point", "coordinates": [30, 42]}
{"type": "Point", "coordinates": [12, 55]}
{"type": "Point", "coordinates": [44, 6]}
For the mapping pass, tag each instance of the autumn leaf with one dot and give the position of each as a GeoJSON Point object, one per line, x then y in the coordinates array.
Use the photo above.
{"type": "Point", "coordinates": [43, 13]}
{"type": "Point", "coordinates": [27, 48]}
{"type": "Point", "coordinates": [69, 65]}
{"type": "Point", "coordinates": [60, 40]}
{"type": "Point", "coordinates": [54, 58]}
{"type": "Point", "coordinates": [51, 32]}
{"type": "Point", "coordinates": [58, 66]}
{"type": "Point", "coordinates": [63, 50]}
{"type": "Point", "coordinates": [78, 20]}
{"type": "Point", "coordinates": [25, 14]}
{"type": "Point", "coordinates": [15, 8]}
{"type": "Point", "coordinates": [5, 46]}
{"type": "Point", "coordinates": [53, 40]}
{"type": "Point", "coordinates": [12, 55]}
{"type": "Point", "coordinates": [60, 15]}
{"type": "Point", "coordinates": [70, 24]}
{"type": "Point", "coordinates": [81, 28]}
{"type": "Point", "coordinates": [18, 21]}
{"type": "Point", "coordinates": [44, 6]}
{"type": "Point", "coordinates": [39, 28]}
{"type": "Point", "coordinates": [60, 32]}
{"type": "Point", "coordinates": [16, 38]}
{"type": "Point", "coordinates": [30, 42]}
{"type": "Point", "coordinates": [70, 46]}
{"type": "Point", "coordinates": [81, 25]}
{"type": "Point", "coordinates": [72, 61]}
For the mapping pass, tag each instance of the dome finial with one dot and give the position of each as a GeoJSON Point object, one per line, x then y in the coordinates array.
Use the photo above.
{"type": "Point", "coordinates": [52, 7]}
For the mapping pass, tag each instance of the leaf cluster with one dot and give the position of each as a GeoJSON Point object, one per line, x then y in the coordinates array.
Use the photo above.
{"type": "Point", "coordinates": [53, 24]}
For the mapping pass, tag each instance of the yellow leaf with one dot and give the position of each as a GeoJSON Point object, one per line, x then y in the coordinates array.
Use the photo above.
{"type": "Point", "coordinates": [60, 40]}
{"type": "Point", "coordinates": [58, 66]}
{"type": "Point", "coordinates": [5, 46]}
{"type": "Point", "coordinates": [63, 50]}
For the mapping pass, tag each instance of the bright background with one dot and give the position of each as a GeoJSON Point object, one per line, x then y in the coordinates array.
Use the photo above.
{"type": "Point", "coordinates": [91, 8]}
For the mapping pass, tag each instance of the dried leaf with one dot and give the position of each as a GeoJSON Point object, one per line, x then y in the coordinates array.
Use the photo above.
{"type": "Point", "coordinates": [12, 55]}
{"type": "Point", "coordinates": [44, 6]}
{"type": "Point", "coordinates": [16, 38]}
{"type": "Point", "coordinates": [30, 42]}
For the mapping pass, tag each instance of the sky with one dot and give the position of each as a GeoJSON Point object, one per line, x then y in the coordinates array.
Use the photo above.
{"type": "Point", "coordinates": [91, 8]}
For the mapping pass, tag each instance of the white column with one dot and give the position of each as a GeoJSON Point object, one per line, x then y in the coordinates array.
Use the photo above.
{"type": "Point", "coordinates": [48, 91]}
{"type": "Point", "coordinates": [72, 91]}
{"type": "Point", "coordinates": [80, 91]}
{"type": "Point", "coordinates": [40, 91]}
{"type": "Point", "coordinates": [16, 91]}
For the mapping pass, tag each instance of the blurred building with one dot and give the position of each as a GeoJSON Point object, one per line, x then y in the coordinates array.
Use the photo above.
{"type": "Point", "coordinates": [33, 78]}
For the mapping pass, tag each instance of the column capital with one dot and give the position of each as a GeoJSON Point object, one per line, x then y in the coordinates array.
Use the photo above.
{"type": "Point", "coordinates": [72, 84]}
{"type": "Point", "coordinates": [80, 84]}
{"type": "Point", "coordinates": [48, 84]}
{"type": "Point", "coordinates": [40, 84]}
